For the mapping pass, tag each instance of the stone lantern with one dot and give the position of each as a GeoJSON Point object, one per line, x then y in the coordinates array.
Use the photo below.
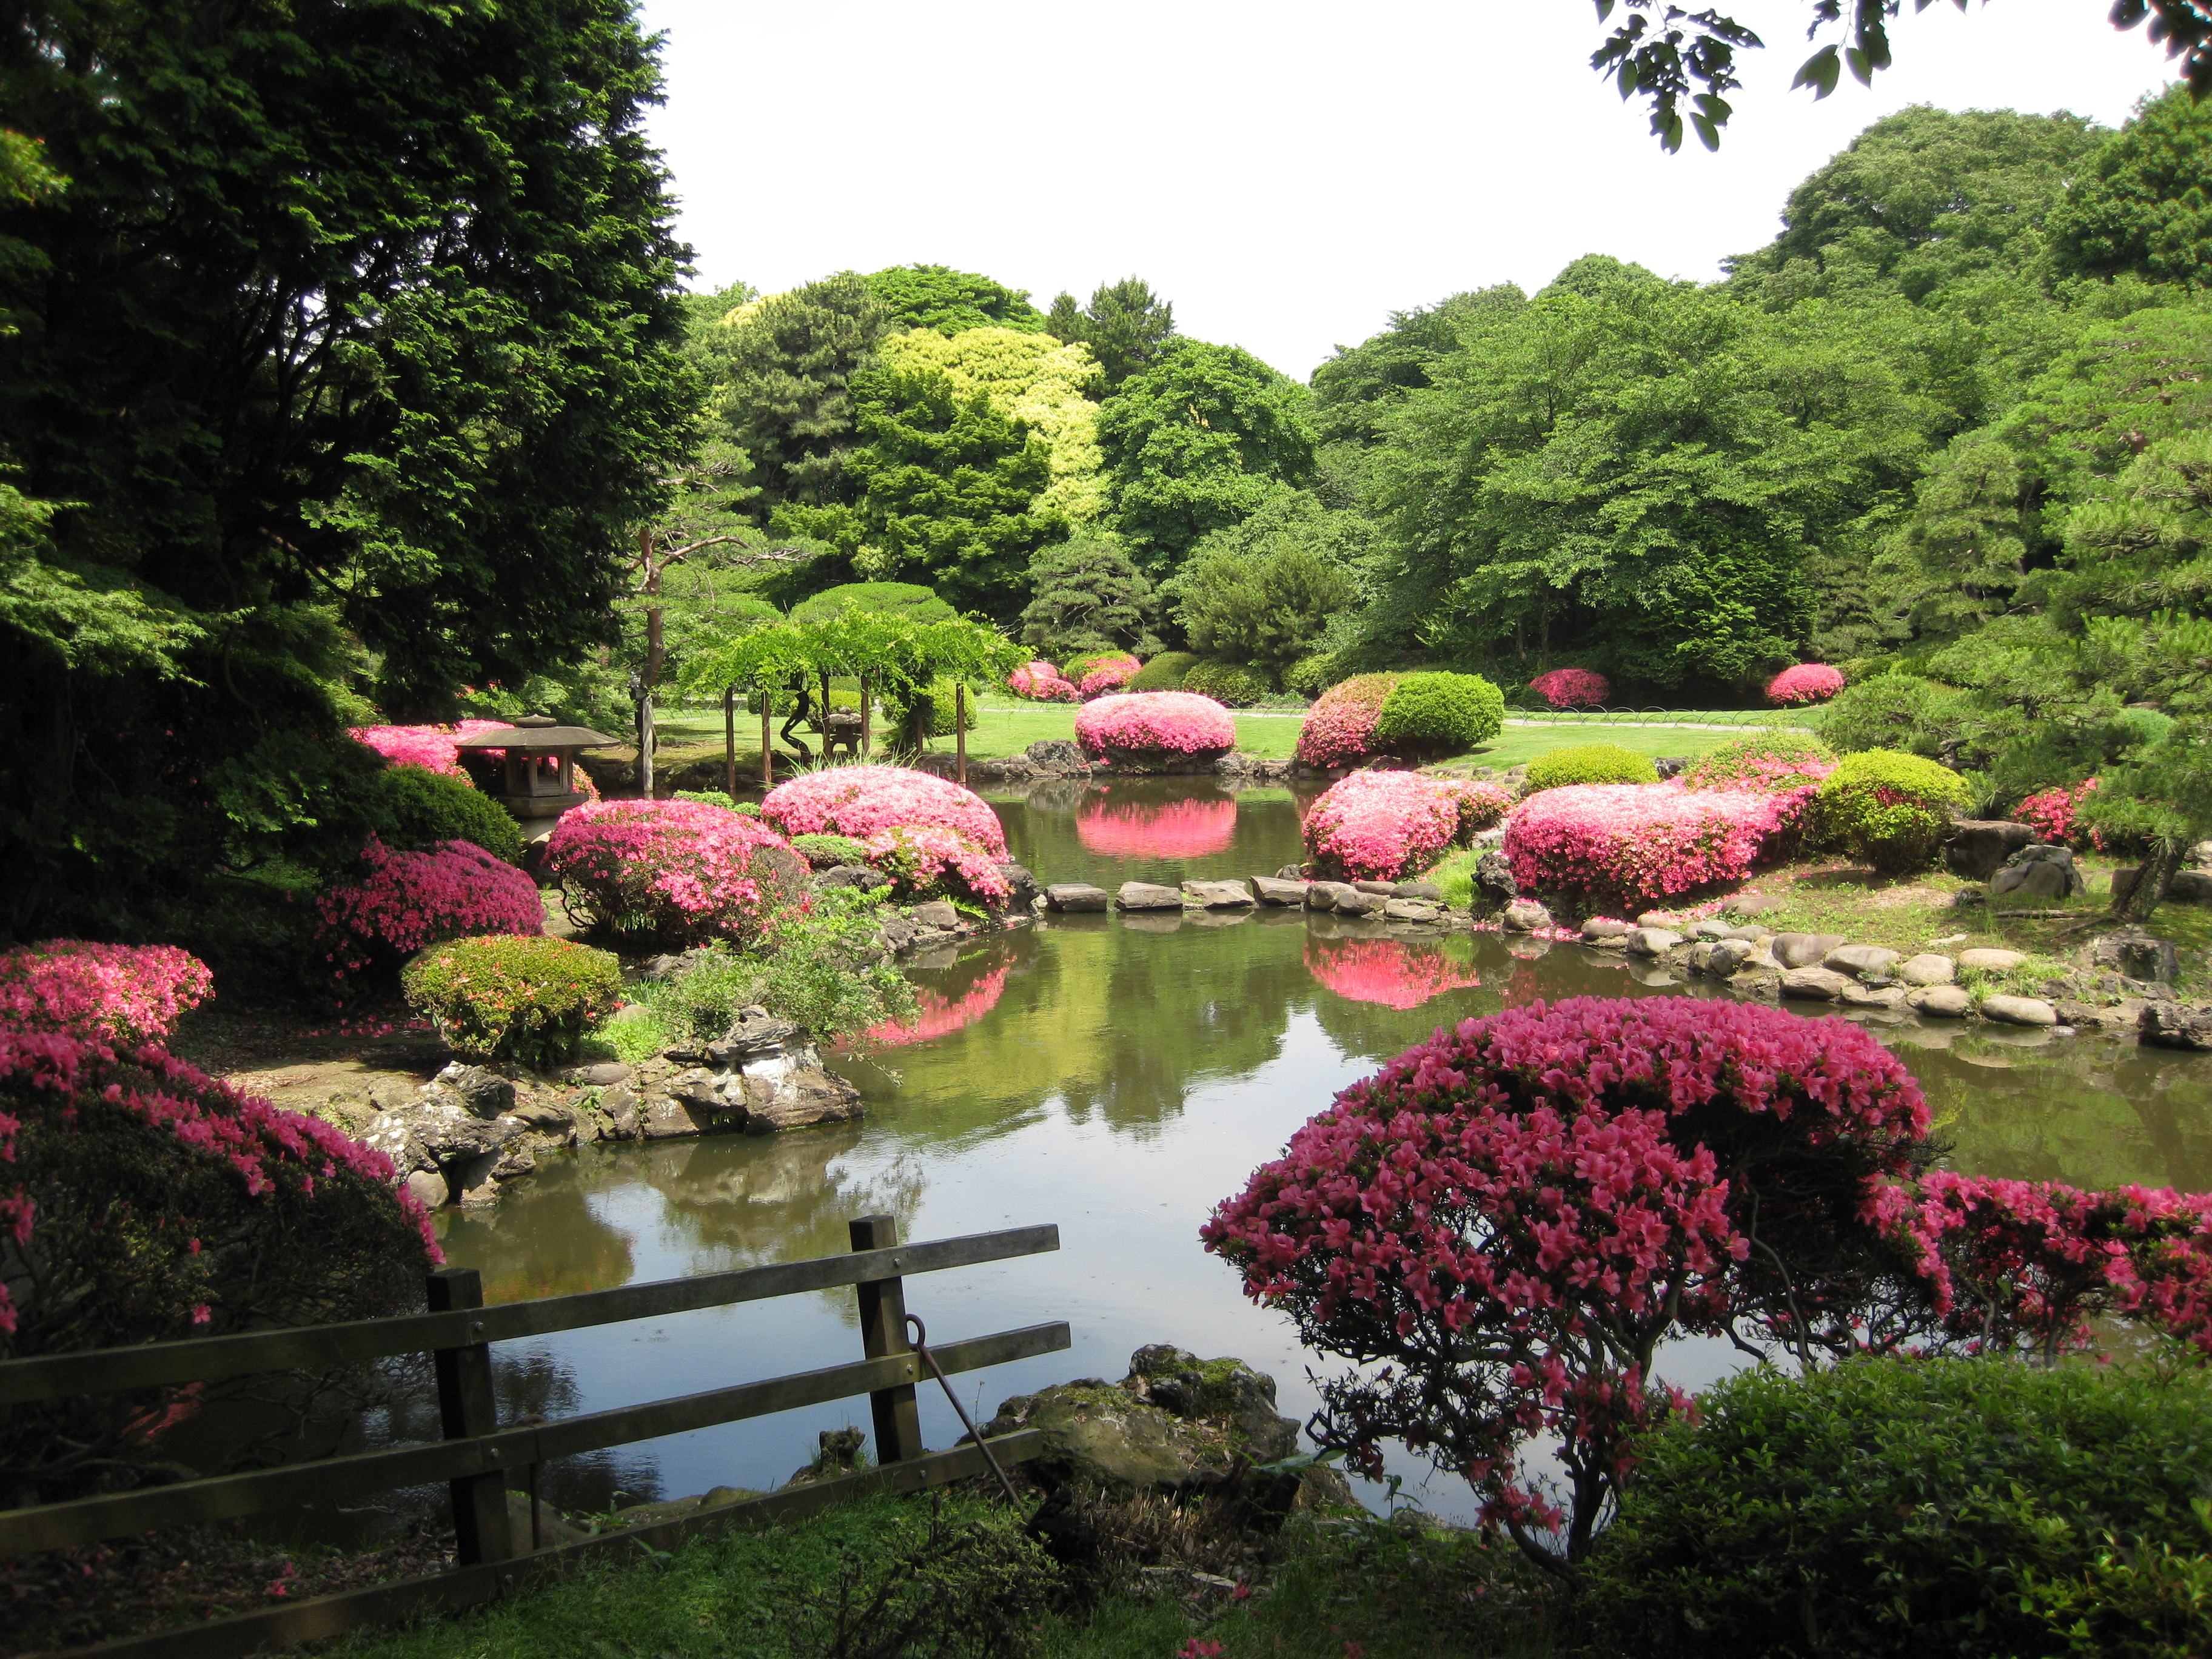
{"type": "Point", "coordinates": [540, 778]}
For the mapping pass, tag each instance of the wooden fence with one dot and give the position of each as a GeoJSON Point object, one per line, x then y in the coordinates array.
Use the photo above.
{"type": "Point", "coordinates": [476, 1456]}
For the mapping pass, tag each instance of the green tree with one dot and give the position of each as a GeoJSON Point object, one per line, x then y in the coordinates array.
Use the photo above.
{"type": "Point", "coordinates": [782, 370]}
{"type": "Point", "coordinates": [949, 300]}
{"type": "Point", "coordinates": [2140, 208]}
{"type": "Point", "coordinates": [1195, 442]}
{"type": "Point", "coordinates": [385, 339]}
{"type": "Point", "coordinates": [1126, 326]}
{"type": "Point", "coordinates": [1089, 595]}
{"type": "Point", "coordinates": [1357, 389]}
{"type": "Point", "coordinates": [1265, 591]}
{"type": "Point", "coordinates": [1030, 377]}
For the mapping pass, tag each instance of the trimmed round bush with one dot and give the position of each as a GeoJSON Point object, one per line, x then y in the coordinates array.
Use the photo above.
{"type": "Point", "coordinates": [1808, 682]}
{"type": "Point", "coordinates": [1229, 683]}
{"type": "Point", "coordinates": [1427, 716]}
{"type": "Point", "coordinates": [1040, 682]}
{"type": "Point", "coordinates": [1163, 673]}
{"type": "Point", "coordinates": [424, 808]}
{"type": "Point", "coordinates": [123, 994]}
{"type": "Point", "coordinates": [1635, 843]}
{"type": "Point", "coordinates": [1148, 728]}
{"type": "Point", "coordinates": [826, 851]}
{"type": "Point", "coordinates": [1572, 688]}
{"type": "Point", "coordinates": [927, 861]}
{"type": "Point", "coordinates": [503, 997]}
{"type": "Point", "coordinates": [671, 873]}
{"type": "Point", "coordinates": [1379, 826]}
{"type": "Point", "coordinates": [1339, 730]}
{"type": "Point", "coordinates": [401, 902]}
{"type": "Point", "coordinates": [2052, 813]}
{"type": "Point", "coordinates": [1096, 673]}
{"type": "Point", "coordinates": [1310, 675]}
{"type": "Point", "coordinates": [156, 1203]}
{"type": "Point", "coordinates": [1889, 808]}
{"type": "Point", "coordinates": [1786, 766]}
{"type": "Point", "coordinates": [1892, 711]}
{"type": "Point", "coordinates": [857, 801]}
{"type": "Point", "coordinates": [1589, 763]}
{"type": "Point", "coordinates": [1969, 1507]}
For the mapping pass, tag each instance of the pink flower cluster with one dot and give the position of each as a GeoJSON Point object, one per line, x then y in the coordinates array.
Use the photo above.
{"type": "Point", "coordinates": [1572, 688]}
{"type": "Point", "coordinates": [124, 994]}
{"type": "Point", "coordinates": [1110, 675]}
{"type": "Point", "coordinates": [1339, 730]}
{"type": "Point", "coordinates": [1481, 805]}
{"type": "Point", "coordinates": [859, 800]}
{"type": "Point", "coordinates": [1808, 682]}
{"type": "Point", "coordinates": [1788, 769]}
{"type": "Point", "coordinates": [1138, 724]}
{"type": "Point", "coordinates": [1378, 826]}
{"type": "Point", "coordinates": [1040, 682]}
{"type": "Point", "coordinates": [2051, 813]}
{"type": "Point", "coordinates": [939, 1015]}
{"type": "Point", "coordinates": [404, 901]}
{"type": "Point", "coordinates": [433, 748]}
{"type": "Point", "coordinates": [1184, 828]}
{"type": "Point", "coordinates": [924, 859]}
{"type": "Point", "coordinates": [678, 871]}
{"type": "Point", "coordinates": [1635, 841]}
{"type": "Point", "coordinates": [1393, 973]}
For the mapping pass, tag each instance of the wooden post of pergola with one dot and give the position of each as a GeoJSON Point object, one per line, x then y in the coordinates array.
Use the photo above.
{"type": "Point", "coordinates": [729, 741]}
{"type": "Point", "coordinates": [768, 753]}
{"type": "Point", "coordinates": [960, 730]}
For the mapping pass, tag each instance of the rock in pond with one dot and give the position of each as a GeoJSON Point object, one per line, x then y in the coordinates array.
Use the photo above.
{"type": "Point", "coordinates": [1147, 895]}
{"type": "Point", "coordinates": [1405, 910]}
{"type": "Point", "coordinates": [1380, 888]}
{"type": "Point", "coordinates": [1943, 1002]}
{"type": "Point", "coordinates": [1279, 889]}
{"type": "Point", "coordinates": [2018, 1011]}
{"type": "Point", "coordinates": [2175, 1025]}
{"type": "Point", "coordinates": [1653, 941]}
{"type": "Point", "coordinates": [1216, 895]}
{"type": "Point", "coordinates": [1926, 969]}
{"type": "Point", "coordinates": [1494, 884]}
{"type": "Point", "coordinates": [1323, 894]}
{"type": "Point", "coordinates": [1600, 929]}
{"type": "Point", "coordinates": [1074, 896]}
{"type": "Point", "coordinates": [1859, 960]}
{"type": "Point", "coordinates": [1814, 984]}
{"type": "Point", "coordinates": [1803, 950]}
{"type": "Point", "coordinates": [1524, 916]}
{"type": "Point", "coordinates": [1421, 889]}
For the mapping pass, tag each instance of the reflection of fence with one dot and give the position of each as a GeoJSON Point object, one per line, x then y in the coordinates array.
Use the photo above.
{"type": "Point", "coordinates": [1757, 720]}
{"type": "Point", "coordinates": [475, 1455]}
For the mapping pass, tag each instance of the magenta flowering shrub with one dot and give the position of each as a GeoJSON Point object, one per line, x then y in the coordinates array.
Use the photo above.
{"type": "Point", "coordinates": [1136, 727]}
{"type": "Point", "coordinates": [1109, 674]}
{"type": "Point", "coordinates": [124, 994]}
{"type": "Point", "coordinates": [859, 800]}
{"type": "Point", "coordinates": [1040, 682]}
{"type": "Point", "coordinates": [1393, 973]}
{"type": "Point", "coordinates": [1808, 682]}
{"type": "Point", "coordinates": [401, 902]}
{"type": "Point", "coordinates": [1186, 829]}
{"type": "Point", "coordinates": [1572, 688]}
{"type": "Point", "coordinates": [2052, 813]}
{"type": "Point", "coordinates": [433, 748]}
{"type": "Point", "coordinates": [675, 871]}
{"type": "Point", "coordinates": [927, 861]}
{"type": "Point", "coordinates": [1481, 805]}
{"type": "Point", "coordinates": [1513, 1216]}
{"type": "Point", "coordinates": [141, 1201]}
{"type": "Point", "coordinates": [1339, 730]}
{"type": "Point", "coordinates": [1636, 842]}
{"type": "Point", "coordinates": [1789, 768]}
{"type": "Point", "coordinates": [1379, 826]}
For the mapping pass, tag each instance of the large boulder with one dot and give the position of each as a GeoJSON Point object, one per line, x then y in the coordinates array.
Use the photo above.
{"type": "Point", "coordinates": [1057, 755]}
{"type": "Point", "coordinates": [2175, 1025]}
{"type": "Point", "coordinates": [764, 1074]}
{"type": "Point", "coordinates": [1979, 847]}
{"type": "Point", "coordinates": [1861, 961]}
{"type": "Point", "coordinates": [2017, 1011]}
{"type": "Point", "coordinates": [1280, 889]}
{"type": "Point", "coordinates": [1147, 895]}
{"type": "Point", "coordinates": [1814, 984]}
{"type": "Point", "coordinates": [1022, 887]}
{"type": "Point", "coordinates": [1525, 916]}
{"type": "Point", "coordinates": [2137, 953]}
{"type": "Point", "coordinates": [2038, 871]}
{"type": "Point", "coordinates": [1803, 950]}
{"type": "Point", "coordinates": [1494, 884]}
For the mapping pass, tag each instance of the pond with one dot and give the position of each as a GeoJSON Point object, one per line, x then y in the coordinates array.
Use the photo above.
{"type": "Point", "coordinates": [1119, 1076]}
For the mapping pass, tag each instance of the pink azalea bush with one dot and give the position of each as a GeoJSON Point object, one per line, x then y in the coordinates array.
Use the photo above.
{"type": "Point", "coordinates": [1392, 973]}
{"type": "Point", "coordinates": [2052, 813]}
{"type": "Point", "coordinates": [1040, 682]}
{"type": "Point", "coordinates": [433, 748]}
{"type": "Point", "coordinates": [927, 861]}
{"type": "Point", "coordinates": [124, 994]}
{"type": "Point", "coordinates": [857, 801]}
{"type": "Point", "coordinates": [1572, 688]}
{"type": "Point", "coordinates": [1789, 768]}
{"type": "Point", "coordinates": [1339, 730]}
{"type": "Point", "coordinates": [676, 872]}
{"type": "Point", "coordinates": [1137, 726]}
{"type": "Point", "coordinates": [402, 902]}
{"type": "Point", "coordinates": [1110, 674]}
{"type": "Point", "coordinates": [1808, 682]}
{"type": "Point", "coordinates": [1481, 805]}
{"type": "Point", "coordinates": [1160, 829]}
{"type": "Point", "coordinates": [1637, 843]}
{"type": "Point", "coordinates": [1379, 826]}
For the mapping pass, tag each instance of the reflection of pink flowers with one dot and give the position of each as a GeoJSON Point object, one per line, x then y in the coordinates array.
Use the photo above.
{"type": "Point", "coordinates": [1394, 972]}
{"type": "Point", "coordinates": [940, 1016]}
{"type": "Point", "coordinates": [1140, 723]}
{"type": "Point", "coordinates": [1638, 841]}
{"type": "Point", "coordinates": [1572, 688]}
{"type": "Point", "coordinates": [1041, 682]}
{"type": "Point", "coordinates": [1111, 674]}
{"type": "Point", "coordinates": [860, 800]}
{"type": "Point", "coordinates": [1157, 829]}
{"type": "Point", "coordinates": [1339, 730]}
{"type": "Point", "coordinates": [123, 994]}
{"type": "Point", "coordinates": [1808, 682]}
{"type": "Point", "coordinates": [1381, 825]}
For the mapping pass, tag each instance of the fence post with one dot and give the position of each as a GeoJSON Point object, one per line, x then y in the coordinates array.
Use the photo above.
{"type": "Point", "coordinates": [960, 732]}
{"type": "Point", "coordinates": [883, 1331]}
{"type": "Point", "coordinates": [465, 1406]}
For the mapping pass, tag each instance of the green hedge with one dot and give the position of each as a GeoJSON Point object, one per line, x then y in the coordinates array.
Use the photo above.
{"type": "Point", "coordinates": [1889, 808]}
{"type": "Point", "coordinates": [824, 852]}
{"type": "Point", "coordinates": [1590, 762]}
{"type": "Point", "coordinates": [1226, 682]}
{"type": "Point", "coordinates": [1430, 715]}
{"type": "Point", "coordinates": [1163, 673]}
{"type": "Point", "coordinates": [1962, 1507]}
{"type": "Point", "coordinates": [422, 808]}
{"type": "Point", "coordinates": [507, 997]}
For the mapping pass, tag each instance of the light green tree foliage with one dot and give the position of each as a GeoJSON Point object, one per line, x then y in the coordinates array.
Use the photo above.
{"type": "Point", "coordinates": [938, 297]}
{"type": "Point", "coordinates": [781, 370]}
{"type": "Point", "coordinates": [1087, 594]}
{"type": "Point", "coordinates": [1357, 389]}
{"type": "Point", "coordinates": [1126, 326]}
{"type": "Point", "coordinates": [2144, 207]}
{"type": "Point", "coordinates": [1195, 442]}
{"type": "Point", "coordinates": [907, 599]}
{"type": "Point", "coordinates": [1266, 591]}
{"type": "Point", "coordinates": [1030, 377]}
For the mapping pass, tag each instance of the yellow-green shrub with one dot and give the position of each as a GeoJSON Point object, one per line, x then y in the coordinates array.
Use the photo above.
{"type": "Point", "coordinates": [506, 997]}
{"type": "Point", "coordinates": [1889, 808]}
{"type": "Point", "coordinates": [1590, 762]}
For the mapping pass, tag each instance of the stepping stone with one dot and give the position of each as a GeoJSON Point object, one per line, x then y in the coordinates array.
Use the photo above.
{"type": "Point", "coordinates": [1147, 895]}
{"type": "Point", "coordinates": [1751, 931]}
{"type": "Point", "coordinates": [1406, 909]}
{"type": "Point", "coordinates": [2018, 1011]}
{"type": "Point", "coordinates": [1653, 941]}
{"type": "Point", "coordinates": [1814, 984]}
{"type": "Point", "coordinates": [1992, 961]}
{"type": "Point", "coordinates": [1752, 904]}
{"type": "Point", "coordinates": [1351, 902]}
{"type": "Point", "coordinates": [1421, 890]}
{"type": "Point", "coordinates": [1943, 1002]}
{"type": "Point", "coordinates": [1380, 888]}
{"type": "Point", "coordinates": [1804, 950]}
{"type": "Point", "coordinates": [1605, 927]}
{"type": "Point", "coordinates": [1711, 928]}
{"type": "Point", "coordinates": [1275, 889]}
{"type": "Point", "coordinates": [1074, 895]}
{"type": "Point", "coordinates": [1216, 895]}
{"type": "Point", "coordinates": [1524, 916]}
{"type": "Point", "coordinates": [1926, 969]}
{"type": "Point", "coordinates": [1859, 959]}
{"type": "Point", "coordinates": [1323, 894]}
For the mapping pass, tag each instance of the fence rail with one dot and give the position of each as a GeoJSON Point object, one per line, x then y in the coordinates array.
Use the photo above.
{"type": "Point", "coordinates": [475, 1455]}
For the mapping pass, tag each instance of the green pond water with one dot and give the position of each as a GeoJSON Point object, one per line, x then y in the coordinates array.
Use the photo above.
{"type": "Point", "coordinates": [1119, 1076]}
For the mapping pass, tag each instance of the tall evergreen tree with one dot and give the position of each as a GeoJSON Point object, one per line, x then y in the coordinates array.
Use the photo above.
{"type": "Point", "coordinates": [1126, 326]}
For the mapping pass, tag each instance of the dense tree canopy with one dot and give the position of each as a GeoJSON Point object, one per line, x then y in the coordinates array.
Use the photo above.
{"type": "Point", "coordinates": [949, 300]}
{"type": "Point", "coordinates": [782, 369]}
{"type": "Point", "coordinates": [1126, 326]}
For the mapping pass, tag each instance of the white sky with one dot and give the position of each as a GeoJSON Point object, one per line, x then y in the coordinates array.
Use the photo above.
{"type": "Point", "coordinates": [1287, 173]}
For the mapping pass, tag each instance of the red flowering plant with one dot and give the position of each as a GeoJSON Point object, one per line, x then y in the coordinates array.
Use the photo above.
{"type": "Point", "coordinates": [1136, 729]}
{"type": "Point", "coordinates": [1187, 828]}
{"type": "Point", "coordinates": [927, 861]}
{"type": "Point", "coordinates": [1808, 682]}
{"type": "Point", "coordinates": [401, 902]}
{"type": "Point", "coordinates": [1481, 805]}
{"type": "Point", "coordinates": [1339, 730]}
{"type": "Point", "coordinates": [141, 1201]}
{"type": "Point", "coordinates": [433, 748]}
{"type": "Point", "coordinates": [857, 801]}
{"type": "Point", "coordinates": [674, 872]}
{"type": "Point", "coordinates": [1502, 1226]}
{"type": "Point", "coordinates": [1785, 766]}
{"type": "Point", "coordinates": [120, 994]}
{"type": "Point", "coordinates": [2052, 813]}
{"type": "Point", "coordinates": [1630, 843]}
{"type": "Point", "coordinates": [1572, 688]}
{"type": "Point", "coordinates": [1040, 682]}
{"type": "Point", "coordinates": [1378, 826]}
{"type": "Point", "coordinates": [1107, 674]}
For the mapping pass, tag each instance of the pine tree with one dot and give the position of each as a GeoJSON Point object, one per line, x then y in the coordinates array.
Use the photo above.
{"type": "Point", "coordinates": [1126, 326]}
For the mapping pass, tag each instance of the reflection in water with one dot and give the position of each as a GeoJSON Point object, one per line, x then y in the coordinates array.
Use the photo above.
{"type": "Point", "coordinates": [1397, 973]}
{"type": "Point", "coordinates": [1193, 828]}
{"type": "Point", "coordinates": [939, 1015]}
{"type": "Point", "coordinates": [739, 1202]}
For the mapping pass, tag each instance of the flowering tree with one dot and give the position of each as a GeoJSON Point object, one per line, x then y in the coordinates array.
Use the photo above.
{"type": "Point", "coordinates": [401, 902]}
{"type": "Point", "coordinates": [860, 800]}
{"type": "Point", "coordinates": [1146, 727]}
{"type": "Point", "coordinates": [676, 871]}
{"type": "Point", "coordinates": [1572, 688]}
{"type": "Point", "coordinates": [124, 994]}
{"type": "Point", "coordinates": [1040, 682]}
{"type": "Point", "coordinates": [1381, 825]}
{"type": "Point", "coordinates": [1339, 730]}
{"type": "Point", "coordinates": [1637, 843]}
{"type": "Point", "coordinates": [1808, 682]}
